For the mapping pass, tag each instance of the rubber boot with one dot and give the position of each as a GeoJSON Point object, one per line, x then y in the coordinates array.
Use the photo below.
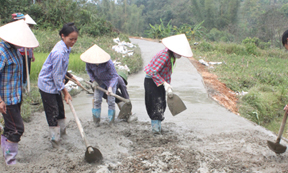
{"type": "Point", "coordinates": [10, 152]}
{"type": "Point", "coordinates": [96, 115]}
{"type": "Point", "coordinates": [156, 126]}
{"type": "Point", "coordinates": [62, 125]}
{"type": "Point", "coordinates": [55, 135]}
{"type": "Point", "coordinates": [111, 116]}
{"type": "Point", "coordinates": [3, 142]}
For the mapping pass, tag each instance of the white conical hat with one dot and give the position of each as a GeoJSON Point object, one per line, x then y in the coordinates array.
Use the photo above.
{"type": "Point", "coordinates": [95, 55]}
{"type": "Point", "coordinates": [178, 44]}
{"type": "Point", "coordinates": [29, 20]}
{"type": "Point", "coordinates": [18, 33]}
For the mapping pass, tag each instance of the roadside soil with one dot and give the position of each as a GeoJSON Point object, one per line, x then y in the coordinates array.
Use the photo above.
{"type": "Point", "coordinates": [200, 143]}
{"type": "Point", "coordinates": [216, 89]}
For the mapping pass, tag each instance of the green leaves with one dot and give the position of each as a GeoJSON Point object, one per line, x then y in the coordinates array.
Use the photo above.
{"type": "Point", "coordinates": [160, 31]}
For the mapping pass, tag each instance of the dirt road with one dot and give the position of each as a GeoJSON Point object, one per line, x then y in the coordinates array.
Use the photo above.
{"type": "Point", "coordinates": [204, 138]}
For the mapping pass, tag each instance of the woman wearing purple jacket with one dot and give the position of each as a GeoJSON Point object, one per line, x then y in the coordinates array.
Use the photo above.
{"type": "Point", "coordinates": [102, 72]}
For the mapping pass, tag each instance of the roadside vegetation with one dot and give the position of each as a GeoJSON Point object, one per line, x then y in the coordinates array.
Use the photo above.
{"type": "Point", "coordinates": [260, 73]}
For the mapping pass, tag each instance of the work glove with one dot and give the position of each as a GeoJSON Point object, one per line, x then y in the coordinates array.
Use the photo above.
{"type": "Point", "coordinates": [109, 91]}
{"type": "Point", "coordinates": [167, 86]}
{"type": "Point", "coordinates": [95, 84]}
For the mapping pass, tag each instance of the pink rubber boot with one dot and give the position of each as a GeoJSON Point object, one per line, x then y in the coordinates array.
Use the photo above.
{"type": "Point", "coordinates": [10, 152]}
{"type": "Point", "coordinates": [3, 143]}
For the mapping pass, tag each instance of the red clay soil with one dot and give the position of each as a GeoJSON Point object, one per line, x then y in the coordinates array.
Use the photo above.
{"type": "Point", "coordinates": [217, 90]}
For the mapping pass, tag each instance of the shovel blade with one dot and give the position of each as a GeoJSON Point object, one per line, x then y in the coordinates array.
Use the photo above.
{"type": "Point", "coordinates": [276, 147]}
{"type": "Point", "coordinates": [175, 104]}
{"type": "Point", "coordinates": [94, 156]}
{"type": "Point", "coordinates": [125, 111]}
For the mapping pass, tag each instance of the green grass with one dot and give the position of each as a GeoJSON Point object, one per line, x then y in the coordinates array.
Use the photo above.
{"type": "Point", "coordinates": [264, 77]}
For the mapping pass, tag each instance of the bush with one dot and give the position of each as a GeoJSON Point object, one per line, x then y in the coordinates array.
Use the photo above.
{"type": "Point", "coordinates": [98, 27]}
{"type": "Point", "coordinates": [231, 48]}
{"type": "Point", "coordinates": [251, 48]}
{"type": "Point", "coordinates": [251, 45]}
{"type": "Point", "coordinates": [264, 45]}
{"type": "Point", "coordinates": [205, 46]}
{"type": "Point", "coordinates": [216, 35]}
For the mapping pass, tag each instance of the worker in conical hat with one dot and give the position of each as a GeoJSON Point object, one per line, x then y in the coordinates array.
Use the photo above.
{"type": "Point", "coordinates": [14, 35]}
{"type": "Point", "coordinates": [30, 54]}
{"type": "Point", "coordinates": [102, 72]}
{"type": "Point", "coordinates": [158, 77]}
{"type": "Point", "coordinates": [51, 82]}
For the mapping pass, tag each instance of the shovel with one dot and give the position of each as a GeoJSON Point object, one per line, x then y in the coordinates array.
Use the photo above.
{"type": "Point", "coordinates": [92, 154]}
{"type": "Point", "coordinates": [175, 104]}
{"type": "Point", "coordinates": [125, 111]}
{"type": "Point", "coordinates": [89, 92]}
{"type": "Point", "coordinates": [277, 147]}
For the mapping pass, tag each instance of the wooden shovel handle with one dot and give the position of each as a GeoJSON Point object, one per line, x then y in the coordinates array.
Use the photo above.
{"type": "Point", "coordinates": [27, 70]}
{"type": "Point", "coordinates": [282, 127]}
{"type": "Point", "coordinates": [77, 84]}
{"type": "Point", "coordinates": [90, 149]}
{"type": "Point", "coordinates": [112, 94]}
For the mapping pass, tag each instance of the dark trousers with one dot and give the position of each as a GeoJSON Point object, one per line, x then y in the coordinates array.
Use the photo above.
{"type": "Point", "coordinates": [53, 107]}
{"type": "Point", "coordinates": [24, 68]}
{"type": "Point", "coordinates": [155, 100]}
{"type": "Point", "coordinates": [14, 126]}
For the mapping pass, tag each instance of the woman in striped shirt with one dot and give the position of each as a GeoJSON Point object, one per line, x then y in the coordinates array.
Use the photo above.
{"type": "Point", "coordinates": [50, 82]}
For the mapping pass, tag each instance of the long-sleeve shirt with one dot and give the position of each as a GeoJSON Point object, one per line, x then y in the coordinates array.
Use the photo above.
{"type": "Point", "coordinates": [53, 71]}
{"type": "Point", "coordinates": [11, 70]}
{"type": "Point", "coordinates": [160, 67]}
{"type": "Point", "coordinates": [103, 73]}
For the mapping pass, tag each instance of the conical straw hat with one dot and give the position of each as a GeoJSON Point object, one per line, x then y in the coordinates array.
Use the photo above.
{"type": "Point", "coordinates": [178, 44]}
{"type": "Point", "coordinates": [29, 20]}
{"type": "Point", "coordinates": [95, 55]}
{"type": "Point", "coordinates": [18, 33]}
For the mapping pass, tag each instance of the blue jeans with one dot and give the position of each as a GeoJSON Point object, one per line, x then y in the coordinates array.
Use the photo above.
{"type": "Point", "coordinates": [98, 98]}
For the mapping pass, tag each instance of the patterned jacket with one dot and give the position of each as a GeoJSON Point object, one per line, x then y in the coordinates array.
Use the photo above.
{"type": "Point", "coordinates": [160, 67]}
